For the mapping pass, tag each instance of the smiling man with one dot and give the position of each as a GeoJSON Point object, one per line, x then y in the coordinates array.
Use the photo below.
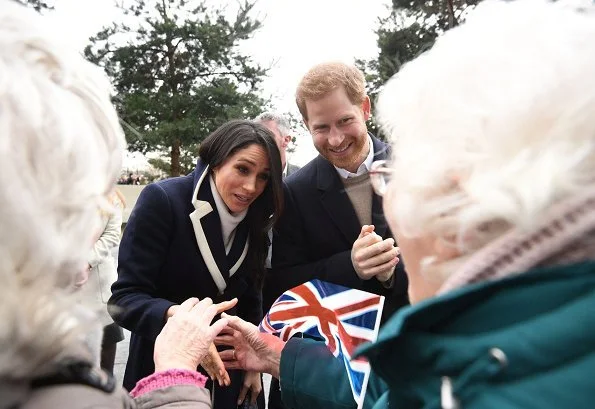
{"type": "Point", "coordinates": [332, 227]}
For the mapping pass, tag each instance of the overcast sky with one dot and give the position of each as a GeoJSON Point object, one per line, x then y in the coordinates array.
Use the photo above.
{"type": "Point", "coordinates": [296, 34]}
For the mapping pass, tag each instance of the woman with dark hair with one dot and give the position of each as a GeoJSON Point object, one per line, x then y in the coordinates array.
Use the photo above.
{"type": "Point", "coordinates": [201, 235]}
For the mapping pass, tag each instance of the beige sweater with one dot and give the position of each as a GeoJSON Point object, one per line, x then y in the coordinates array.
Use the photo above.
{"type": "Point", "coordinates": [359, 190]}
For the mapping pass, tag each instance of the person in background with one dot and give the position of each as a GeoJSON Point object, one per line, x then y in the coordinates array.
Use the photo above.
{"type": "Point", "coordinates": [102, 274]}
{"type": "Point", "coordinates": [280, 127]}
{"type": "Point", "coordinates": [201, 235]}
{"type": "Point", "coordinates": [491, 195]}
{"type": "Point", "coordinates": [95, 282]}
{"type": "Point", "coordinates": [332, 227]}
{"type": "Point", "coordinates": [60, 153]}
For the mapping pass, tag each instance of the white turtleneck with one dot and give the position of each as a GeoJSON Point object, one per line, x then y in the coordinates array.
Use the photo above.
{"type": "Point", "coordinates": [229, 221]}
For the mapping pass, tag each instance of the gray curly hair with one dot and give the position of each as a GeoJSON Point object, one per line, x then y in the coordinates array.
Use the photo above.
{"type": "Point", "coordinates": [495, 123]}
{"type": "Point", "coordinates": [60, 153]}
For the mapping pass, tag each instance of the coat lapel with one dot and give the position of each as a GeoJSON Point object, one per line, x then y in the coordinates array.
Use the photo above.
{"type": "Point", "coordinates": [207, 230]}
{"type": "Point", "coordinates": [202, 209]}
{"type": "Point", "coordinates": [239, 248]}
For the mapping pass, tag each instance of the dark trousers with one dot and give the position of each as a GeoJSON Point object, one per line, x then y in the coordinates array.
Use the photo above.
{"type": "Point", "coordinates": [112, 334]}
{"type": "Point", "coordinates": [275, 395]}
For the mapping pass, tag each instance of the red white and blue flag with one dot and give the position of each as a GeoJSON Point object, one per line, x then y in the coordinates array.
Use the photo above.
{"type": "Point", "coordinates": [342, 317]}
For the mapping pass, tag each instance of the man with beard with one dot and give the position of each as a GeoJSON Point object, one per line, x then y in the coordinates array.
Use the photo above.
{"type": "Point", "coordinates": [333, 227]}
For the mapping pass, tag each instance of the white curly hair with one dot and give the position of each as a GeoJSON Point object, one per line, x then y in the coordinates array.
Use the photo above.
{"type": "Point", "coordinates": [494, 124]}
{"type": "Point", "coordinates": [60, 153]}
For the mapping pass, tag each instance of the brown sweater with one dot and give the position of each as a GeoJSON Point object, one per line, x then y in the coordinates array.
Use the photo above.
{"type": "Point", "coordinates": [359, 190]}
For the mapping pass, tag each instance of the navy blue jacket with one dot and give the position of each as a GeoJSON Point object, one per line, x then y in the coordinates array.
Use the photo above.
{"type": "Point", "coordinates": [314, 236]}
{"type": "Point", "coordinates": [172, 249]}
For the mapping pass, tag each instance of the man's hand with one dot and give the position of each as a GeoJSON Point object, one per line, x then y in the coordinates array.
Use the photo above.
{"type": "Point", "coordinates": [374, 257]}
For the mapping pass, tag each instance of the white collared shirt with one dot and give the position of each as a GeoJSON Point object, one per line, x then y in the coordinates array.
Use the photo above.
{"type": "Point", "coordinates": [364, 167]}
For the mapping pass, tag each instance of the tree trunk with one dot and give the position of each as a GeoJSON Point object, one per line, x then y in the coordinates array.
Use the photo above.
{"type": "Point", "coordinates": [175, 158]}
{"type": "Point", "coordinates": [452, 21]}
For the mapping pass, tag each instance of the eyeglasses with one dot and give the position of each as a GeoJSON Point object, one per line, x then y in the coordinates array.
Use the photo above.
{"type": "Point", "coordinates": [380, 175]}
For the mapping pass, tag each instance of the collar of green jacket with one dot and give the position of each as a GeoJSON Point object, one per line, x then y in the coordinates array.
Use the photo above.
{"type": "Point", "coordinates": [526, 328]}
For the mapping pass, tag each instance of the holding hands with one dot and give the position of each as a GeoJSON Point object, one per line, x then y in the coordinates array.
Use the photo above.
{"type": "Point", "coordinates": [214, 366]}
{"type": "Point", "coordinates": [252, 350]}
{"type": "Point", "coordinates": [374, 257]}
{"type": "Point", "coordinates": [187, 336]}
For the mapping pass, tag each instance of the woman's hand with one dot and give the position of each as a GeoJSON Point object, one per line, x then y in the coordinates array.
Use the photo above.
{"type": "Point", "coordinates": [252, 350]}
{"type": "Point", "coordinates": [212, 362]}
{"type": "Point", "coordinates": [187, 335]}
{"type": "Point", "coordinates": [214, 366]}
{"type": "Point", "coordinates": [252, 383]}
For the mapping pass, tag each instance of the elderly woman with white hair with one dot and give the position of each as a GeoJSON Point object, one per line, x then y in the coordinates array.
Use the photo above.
{"type": "Point", "coordinates": [60, 153]}
{"type": "Point", "coordinates": [491, 195]}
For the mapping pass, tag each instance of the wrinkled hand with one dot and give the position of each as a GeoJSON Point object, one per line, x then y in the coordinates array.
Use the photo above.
{"type": "Point", "coordinates": [374, 257]}
{"type": "Point", "coordinates": [252, 350]}
{"type": "Point", "coordinates": [212, 362]}
{"type": "Point", "coordinates": [253, 384]}
{"type": "Point", "coordinates": [187, 335]}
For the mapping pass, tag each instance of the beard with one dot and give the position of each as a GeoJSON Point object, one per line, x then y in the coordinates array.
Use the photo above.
{"type": "Point", "coordinates": [357, 153]}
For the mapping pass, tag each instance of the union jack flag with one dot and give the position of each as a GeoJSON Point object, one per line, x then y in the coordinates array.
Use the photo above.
{"type": "Point", "coordinates": [342, 317]}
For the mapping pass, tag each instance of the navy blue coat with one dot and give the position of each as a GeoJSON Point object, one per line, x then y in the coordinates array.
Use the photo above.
{"type": "Point", "coordinates": [314, 236]}
{"type": "Point", "coordinates": [172, 249]}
